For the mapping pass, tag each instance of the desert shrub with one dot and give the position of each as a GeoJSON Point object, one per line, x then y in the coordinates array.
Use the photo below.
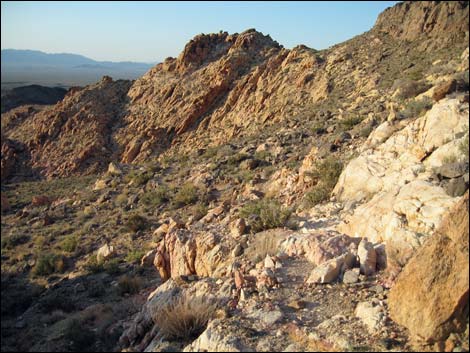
{"type": "Point", "coordinates": [365, 131]}
{"type": "Point", "coordinates": [326, 172]}
{"type": "Point", "coordinates": [264, 214]}
{"type": "Point", "coordinates": [156, 197]}
{"type": "Point", "coordinates": [236, 159]}
{"type": "Point", "coordinates": [349, 123]}
{"type": "Point", "coordinates": [451, 158]}
{"type": "Point", "coordinates": [80, 337]}
{"type": "Point", "coordinates": [9, 242]}
{"type": "Point", "coordinates": [185, 317]}
{"type": "Point", "coordinates": [69, 244]}
{"type": "Point", "coordinates": [134, 256]}
{"type": "Point", "coordinates": [57, 300]}
{"type": "Point", "coordinates": [111, 266]}
{"type": "Point", "coordinates": [186, 195]}
{"type": "Point", "coordinates": [136, 222]}
{"type": "Point", "coordinates": [138, 178]}
{"type": "Point", "coordinates": [417, 108]}
{"type": "Point", "coordinates": [48, 263]}
{"type": "Point", "coordinates": [264, 243]}
{"type": "Point", "coordinates": [93, 265]}
{"type": "Point", "coordinates": [121, 199]}
{"type": "Point", "coordinates": [409, 88]}
{"type": "Point", "coordinates": [198, 211]}
{"type": "Point", "coordinates": [318, 128]}
{"type": "Point", "coordinates": [129, 285]}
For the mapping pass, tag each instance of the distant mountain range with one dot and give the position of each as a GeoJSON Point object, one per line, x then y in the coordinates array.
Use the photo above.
{"type": "Point", "coordinates": [23, 67]}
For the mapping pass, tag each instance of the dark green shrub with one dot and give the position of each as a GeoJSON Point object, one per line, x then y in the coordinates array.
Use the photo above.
{"type": "Point", "coordinates": [349, 123]}
{"type": "Point", "coordinates": [136, 223]}
{"type": "Point", "coordinates": [69, 244]}
{"type": "Point", "coordinates": [9, 242]}
{"type": "Point", "coordinates": [134, 256]}
{"type": "Point", "coordinates": [48, 263]}
{"type": "Point", "coordinates": [156, 197]}
{"type": "Point", "coordinates": [186, 195]}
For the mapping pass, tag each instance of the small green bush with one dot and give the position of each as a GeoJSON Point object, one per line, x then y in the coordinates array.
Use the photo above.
{"type": "Point", "coordinates": [156, 197]}
{"type": "Point", "coordinates": [417, 108]}
{"type": "Point", "coordinates": [69, 244]}
{"type": "Point", "coordinates": [48, 263]}
{"type": "Point", "coordinates": [349, 123]}
{"type": "Point", "coordinates": [186, 195]}
{"type": "Point", "coordinates": [138, 178]}
{"type": "Point", "coordinates": [326, 172]}
{"type": "Point", "coordinates": [463, 146]}
{"type": "Point", "coordinates": [93, 265]}
{"type": "Point", "coordinates": [134, 256]}
{"type": "Point", "coordinates": [13, 240]}
{"type": "Point", "coordinates": [265, 214]}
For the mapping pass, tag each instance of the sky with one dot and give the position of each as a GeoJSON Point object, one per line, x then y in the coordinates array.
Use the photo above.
{"type": "Point", "coordinates": [151, 31]}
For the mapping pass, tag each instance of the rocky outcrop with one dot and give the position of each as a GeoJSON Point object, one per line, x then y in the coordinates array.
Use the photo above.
{"type": "Point", "coordinates": [397, 179]}
{"type": "Point", "coordinates": [430, 296]}
{"type": "Point", "coordinates": [181, 252]}
{"type": "Point", "coordinates": [410, 20]}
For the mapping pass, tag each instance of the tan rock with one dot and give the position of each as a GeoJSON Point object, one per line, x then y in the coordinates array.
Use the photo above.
{"type": "Point", "coordinates": [430, 293]}
{"type": "Point", "coordinates": [237, 228]}
{"type": "Point", "coordinates": [371, 315]}
{"type": "Point", "coordinates": [329, 271]}
{"type": "Point", "coordinates": [105, 252]}
{"type": "Point", "coordinates": [367, 257]}
{"type": "Point", "coordinates": [114, 169]}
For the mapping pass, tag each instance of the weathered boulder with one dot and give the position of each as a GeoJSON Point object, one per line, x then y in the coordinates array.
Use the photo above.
{"type": "Point", "coordinates": [318, 246]}
{"type": "Point", "coordinates": [181, 252]}
{"type": "Point", "coordinates": [105, 252]}
{"type": "Point", "coordinates": [367, 257]}
{"type": "Point", "coordinates": [430, 296]}
{"type": "Point", "coordinates": [371, 315]}
{"type": "Point", "coordinates": [329, 271]}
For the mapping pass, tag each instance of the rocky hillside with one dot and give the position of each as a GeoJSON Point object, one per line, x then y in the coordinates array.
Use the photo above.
{"type": "Point", "coordinates": [248, 197]}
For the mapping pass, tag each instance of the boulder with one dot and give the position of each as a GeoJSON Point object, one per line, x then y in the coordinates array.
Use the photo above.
{"type": "Point", "coordinates": [114, 169]}
{"type": "Point", "coordinates": [371, 315]}
{"type": "Point", "coordinates": [444, 89]}
{"type": "Point", "coordinates": [430, 296]}
{"type": "Point", "coordinates": [105, 252]}
{"type": "Point", "coordinates": [329, 271]}
{"type": "Point", "coordinates": [237, 228]}
{"type": "Point", "coordinates": [367, 257]}
{"type": "Point", "coordinates": [318, 246]}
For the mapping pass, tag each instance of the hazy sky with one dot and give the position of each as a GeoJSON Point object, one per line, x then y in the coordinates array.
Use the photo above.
{"type": "Point", "coordinates": [152, 31]}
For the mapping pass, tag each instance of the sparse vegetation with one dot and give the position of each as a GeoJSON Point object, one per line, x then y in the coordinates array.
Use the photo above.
{"type": "Point", "coordinates": [186, 195]}
{"type": "Point", "coordinates": [129, 285]}
{"type": "Point", "coordinates": [70, 243]}
{"type": "Point", "coordinates": [409, 88]}
{"type": "Point", "coordinates": [156, 197]}
{"type": "Point", "coordinates": [349, 123]}
{"type": "Point", "coordinates": [265, 214]}
{"type": "Point", "coordinates": [80, 337]}
{"type": "Point", "coordinates": [134, 256]}
{"type": "Point", "coordinates": [48, 263]}
{"type": "Point", "coordinates": [185, 317]}
{"type": "Point", "coordinates": [136, 222]}
{"type": "Point", "coordinates": [326, 174]}
{"type": "Point", "coordinates": [415, 109]}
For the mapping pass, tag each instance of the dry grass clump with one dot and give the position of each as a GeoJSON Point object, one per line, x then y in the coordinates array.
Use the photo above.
{"type": "Point", "coordinates": [185, 317]}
